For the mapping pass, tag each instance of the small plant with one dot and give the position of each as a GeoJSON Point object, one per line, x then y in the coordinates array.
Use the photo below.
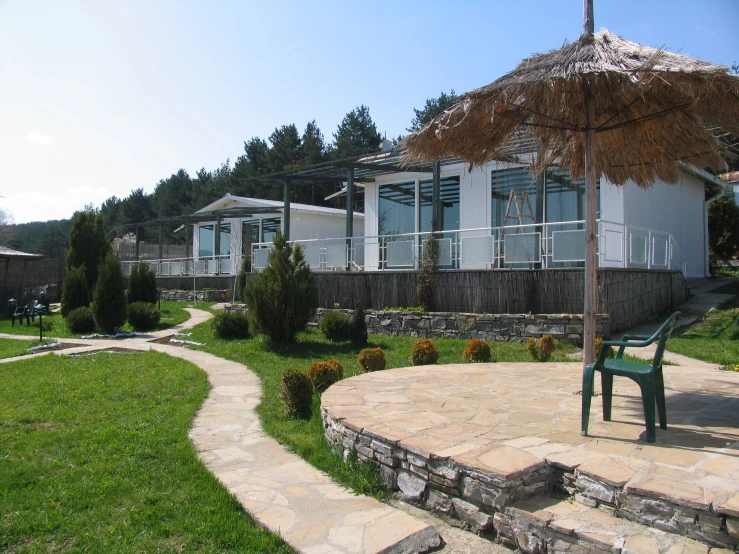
{"type": "Point", "coordinates": [48, 325]}
{"type": "Point", "coordinates": [403, 309]}
{"type": "Point", "coordinates": [110, 296]}
{"type": "Point", "coordinates": [476, 351]}
{"type": "Point", "coordinates": [296, 390]}
{"type": "Point", "coordinates": [541, 350]}
{"type": "Point", "coordinates": [230, 325]}
{"type": "Point", "coordinates": [143, 316]}
{"type": "Point", "coordinates": [426, 277]}
{"type": "Point", "coordinates": [142, 284]}
{"type": "Point", "coordinates": [610, 352]}
{"type": "Point", "coordinates": [75, 292]}
{"type": "Point", "coordinates": [322, 375]}
{"type": "Point", "coordinates": [81, 321]}
{"type": "Point", "coordinates": [338, 368]}
{"type": "Point", "coordinates": [358, 328]}
{"type": "Point", "coordinates": [371, 359]}
{"type": "Point", "coordinates": [424, 353]}
{"type": "Point", "coordinates": [335, 326]}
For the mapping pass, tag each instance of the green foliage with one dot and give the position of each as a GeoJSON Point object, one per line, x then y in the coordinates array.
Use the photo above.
{"type": "Point", "coordinates": [336, 326]}
{"type": "Point", "coordinates": [322, 375]}
{"type": "Point", "coordinates": [230, 325]}
{"type": "Point", "coordinates": [358, 328]}
{"type": "Point", "coordinates": [241, 277]}
{"type": "Point", "coordinates": [371, 359]}
{"type": "Point", "coordinates": [338, 368]}
{"type": "Point", "coordinates": [723, 229]}
{"type": "Point", "coordinates": [283, 297]}
{"type": "Point", "coordinates": [611, 353]}
{"type": "Point", "coordinates": [110, 296]}
{"type": "Point", "coordinates": [424, 353]}
{"type": "Point", "coordinates": [81, 321]}
{"type": "Point", "coordinates": [357, 134]}
{"type": "Point", "coordinates": [403, 309]}
{"type": "Point", "coordinates": [88, 244]}
{"type": "Point", "coordinates": [75, 291]}
{"type": "Point", "coordinates": [296, 390]}
{"type": "Point", "coordinates": [433, 107]}
{"type": "Point", "coordinates": [142, 284]}
{"type": "Point", "coordinates": [48, 325]}
{"type": "Point", "coordinates": [143, 316]}
{"type": "Point", "coordinates": [541, 350]}
{"type": "Point", "coordinates": [476, 351]}
{"type": "Point", "coordinates": [427, 274]}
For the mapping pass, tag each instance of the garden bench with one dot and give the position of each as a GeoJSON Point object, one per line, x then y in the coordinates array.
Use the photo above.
{"type": "Point", "coordinates": [649, 378]}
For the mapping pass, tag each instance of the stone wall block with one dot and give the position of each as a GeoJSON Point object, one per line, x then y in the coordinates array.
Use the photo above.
{"type": "Point", "coordinates": [439, 501]}
{"type": "Point", "coordinates": [472, 515]}
{"type": "Point", "coordinates": [413, 487]}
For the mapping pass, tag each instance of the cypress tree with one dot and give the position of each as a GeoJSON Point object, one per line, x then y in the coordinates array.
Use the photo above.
{"type": "Point", "coordinates": [110, 296]}
{"type": "Point", "coordinates": [142, 284]}
{"type": "Point", "coordinates": [75, 292]}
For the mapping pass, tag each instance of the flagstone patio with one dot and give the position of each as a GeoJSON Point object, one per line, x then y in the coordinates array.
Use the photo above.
{"type": "Point", "coordinates": [476, 440]}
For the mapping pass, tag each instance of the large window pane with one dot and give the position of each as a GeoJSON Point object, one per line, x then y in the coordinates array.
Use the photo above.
{"type": "Point", "coordinates": [397, 209]}
{"type": "Point", "coordinates": [249, 234]}
{"type": "Point", "coordinates": [225, 245]}
{"type": "Point", "coordinates": [449, 196]}
{"type": "Point", "coordinates": [519, 179]}
{"type": "Point", "coordinates": [205, 240]}
{"type": "Point", "coordinates": [269, 228]}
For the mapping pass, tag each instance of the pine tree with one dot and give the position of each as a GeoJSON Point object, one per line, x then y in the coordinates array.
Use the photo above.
{"type": "Point", "coordinates": [75, 292]}
{"type": "Point", "coordinates": [110, 296]}
{"type": "Point", "coordinates": [88, 244]}
{"type": "Point", "coordinates": [358, 328]}
{"type": "Point", "coordinates": [433, 107]}
{"type": "Point", "coordinates": [357, 134]}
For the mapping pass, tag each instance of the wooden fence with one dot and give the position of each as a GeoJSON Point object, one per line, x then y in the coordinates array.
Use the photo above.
{"type": "Point", "coordinates": [46, 274]}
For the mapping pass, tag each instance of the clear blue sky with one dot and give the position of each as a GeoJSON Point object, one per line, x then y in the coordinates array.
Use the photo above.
{"type": "Point", "coordinates": [100, 97]}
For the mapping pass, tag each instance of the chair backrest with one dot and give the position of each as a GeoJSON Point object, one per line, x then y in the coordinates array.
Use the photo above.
{"type": "Point", "coordinates": [664, 333]}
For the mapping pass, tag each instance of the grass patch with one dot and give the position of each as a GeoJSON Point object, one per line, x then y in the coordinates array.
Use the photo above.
{"type": "Point", "coordinates": [715, 338]}
{"type": "Point", "coordinates": [726, 271]}
{"type": "Point", "coordinates": [727, 288]}
{"type": "Point", "coordinates": [96, 458]}
{"type": "Point", "coordinates": [10, 348]}
{"type": "Point", "coordinates": [306, 438]}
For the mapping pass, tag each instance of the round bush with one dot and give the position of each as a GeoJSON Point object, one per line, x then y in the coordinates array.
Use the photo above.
{"type": "Point", "coordinates": [541, 349]}
{"type": "Point", "coordinates": [81, 320]}
{"type": "Point", "coordinates": [338, 368]}
{"type": "Point", "coordinates": [424, 353]}
{"type": "Point", "coordinates": [296, 390]}
{"type": "Point", "coordinates": [336, 326]}
{"type": "Point", "coordinates": [372, 359]}
{"type": "Point", "coordinates": [322, 375]}
{"type": "Point", "coordinates": [143, 316]}
{"type": "Point", "coordinates": [230, 325]}
{"type": "Point", "coordinates": [476, 351]}
{"type": "Point", "coordinates": [610, 353]}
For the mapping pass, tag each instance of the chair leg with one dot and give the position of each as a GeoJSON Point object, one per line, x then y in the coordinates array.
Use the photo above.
{"type": "Point", "coordinates": [606, 383]}
{"type": "Point", "coordinates": [659, 393]}
{"type": "Point", "coordinates": [649, 403]}
{"type": "Point", "coordinates": [588, 376]}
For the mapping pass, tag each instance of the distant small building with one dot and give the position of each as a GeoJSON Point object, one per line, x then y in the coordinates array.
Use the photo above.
{"type": "Point", "coordinates": [732, 181]}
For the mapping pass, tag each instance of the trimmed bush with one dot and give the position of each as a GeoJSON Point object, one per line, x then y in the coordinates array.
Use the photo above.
{"type": "Point", "coordinates": [75, 292]}
{"type": "Point", "coordinates": [371, 359]}
{"type": "Point", "coordinates": [541, 350]}
{"type": "Point", "coordinates": [296, 390]}
{"type": "Point", "coordinates": [142, 284]}
{"type": "Point", "coordinates": [81, 321]}
{"type": "Point", "coordinates": [322, 375]}
{"type": "Point", "coordinates": [110, 296]}
{"type": "Point", "coordinates": [476, 351]}
{"type": "Point", "coordinates": [48, 325]}
{"type": "Point", "coordinates": [283, 297]}
{"type": "Point", "coordinates": [143, 316]}
{"type": "Point", "coordinates": [230, 325]}
{"type": "Point", "coordinates": [335, 326]}
{"type": "Point", "coordinates": [610, 353]}
{"type": "Point", "coordinates": [358, 328]}
{"type": "Point", "coordinates": [424, 353]}
{"type": "Point", "coordinates": [338, 368]}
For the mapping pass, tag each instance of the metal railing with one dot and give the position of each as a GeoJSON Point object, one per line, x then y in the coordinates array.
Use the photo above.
{"type": "Point", "coordinates": [188, 267]}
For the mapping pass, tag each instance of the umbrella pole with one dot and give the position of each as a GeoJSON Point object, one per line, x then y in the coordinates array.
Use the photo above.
{"type": "Point", "coordinates": [591, 278]}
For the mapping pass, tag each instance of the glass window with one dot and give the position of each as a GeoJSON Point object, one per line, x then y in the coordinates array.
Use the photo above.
{"type": "Point", "coordinates": [566, 198]}
{"type": "Point", "coordinates": [269, 228]}
{"type": "Point", "coordinates": [249, 234]}
{"type": "Point", "coordinates": [397, 207]}
{"type": "Point", "coordinates": [449, 195]}
{"type": "Point", "coordinates": [225, 244]}
{"type": "Point", "coordinates": [205, 240]}
{"type": "Point", "coordinates": [503, 182]}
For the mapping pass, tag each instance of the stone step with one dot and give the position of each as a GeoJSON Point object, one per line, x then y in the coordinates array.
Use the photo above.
{"type": "Point", "coordinates": [561, 524]}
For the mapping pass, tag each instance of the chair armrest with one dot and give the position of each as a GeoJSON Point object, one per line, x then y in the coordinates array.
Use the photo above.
{"type": "Point", "coordinates": [637, 337]}
{"type": "Point", "coordinates": [624, 344]}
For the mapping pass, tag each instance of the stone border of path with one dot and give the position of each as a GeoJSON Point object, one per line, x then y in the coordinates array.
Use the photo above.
{"type": "Point", "coordinates": [279, 489]}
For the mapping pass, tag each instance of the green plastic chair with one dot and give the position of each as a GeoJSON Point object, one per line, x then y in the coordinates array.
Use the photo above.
{"type": "Point", "coordinates": [649, 378]}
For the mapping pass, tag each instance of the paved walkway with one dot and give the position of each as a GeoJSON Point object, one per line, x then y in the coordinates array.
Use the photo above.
{"type": "Point", "coordinates": [279, 489]}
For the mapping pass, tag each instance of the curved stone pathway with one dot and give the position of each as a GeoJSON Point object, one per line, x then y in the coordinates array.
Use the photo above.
{"type": "Point", "coordinates": [279, 489]}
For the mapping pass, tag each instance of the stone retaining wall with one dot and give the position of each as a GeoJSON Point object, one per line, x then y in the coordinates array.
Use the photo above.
{"type": "Point", "coordinates": [200, 296]}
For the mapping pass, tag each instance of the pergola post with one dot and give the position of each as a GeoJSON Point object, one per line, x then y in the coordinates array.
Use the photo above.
{"type": "Point", "coordinates": [23, 280]}
{"type": "Point", "coordinates": [138, 241]}
{"type": "Point", "coordinates": [161, 240]}
{"type": "Point", "coordinates": [286, 210]}
{"type": "Point", "coordinates": [217, 243]}
{"type": "Point", "coordinates": [437, 213]}
{"type": "Point", "coordinates": [188, 254]}
{"type": "Point", "coordinates": [349, 214]}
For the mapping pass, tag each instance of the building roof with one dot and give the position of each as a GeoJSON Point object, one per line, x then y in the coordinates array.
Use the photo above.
{"type": "Point", "coordinates": [10, 254]}
{"type": "Point", "coordinates": [277, 204]}
{"type": "Point", "coordinates": [731, 177]}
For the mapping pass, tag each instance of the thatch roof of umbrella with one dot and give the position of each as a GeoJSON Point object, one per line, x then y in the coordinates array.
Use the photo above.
{"type": "Point", "coordinates": [652, 112]}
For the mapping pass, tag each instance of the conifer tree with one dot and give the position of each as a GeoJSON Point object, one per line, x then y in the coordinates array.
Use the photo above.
{"type": "Point", "coordinates": [110, 296]}
{"type": "Point", "coordinates": [75, 292]}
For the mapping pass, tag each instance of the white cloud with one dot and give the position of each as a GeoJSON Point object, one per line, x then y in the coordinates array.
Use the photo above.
{"type": "Point", "coordinates": [38, 138]}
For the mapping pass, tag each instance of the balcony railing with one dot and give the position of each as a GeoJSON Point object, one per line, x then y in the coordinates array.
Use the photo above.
{"type": "Point", "coordinates": [184, 267]}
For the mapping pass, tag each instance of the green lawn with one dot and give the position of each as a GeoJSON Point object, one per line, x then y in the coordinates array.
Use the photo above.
{"type": "Point", "coordinates": [95, 458]}
{"type": "Point", "coordinates": [715, 338]}
{"type": "Point", "coordinates": [172, 313]}
{"type": "Point", "coordinates": [306, 437]}
{"type": "Point", "coordinates": [10, 348]}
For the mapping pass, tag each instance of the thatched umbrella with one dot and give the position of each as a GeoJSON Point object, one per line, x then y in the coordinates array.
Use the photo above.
{"type": "Point", "coordinates": [650, 110]}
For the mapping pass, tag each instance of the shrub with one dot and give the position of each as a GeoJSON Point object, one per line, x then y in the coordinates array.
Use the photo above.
{"type": "Point", "coordinates": [241, 277]}
{"type": "Point", "coordinates": [296, 390]}
{"type": "Point", "coordinates": [230, 325]}
{"type": "Point", "coordinates": [322, 375]}
{"type": "Point", "coordinates": [338, 368]}
{"type": "Point", "coordinates": [142, 284]}
{"type": "Point", "coordinates": [110, 296]}
{"type": "Point", "coordinates": [610, 353]}
{"type": "Point", "coordinates": [476, 351]}
{"type": "Point", "coordinates": [424, 353]}
{"type": "Point", "coordinates": [143, 316]}
{"type": "Point", "coordinates": [358, 328]}
{"type": "Point", "coordinates": [372, 359]}
{"type": "Point", "coordinates": [335, 326]}
{"type": "Point", "coordinates": [283, 297]}
{"type": "Point", "coordinates": [75, 292]}
{"type": "Point", "coordinates": [426, 277]}
{"type": "Point", "coordinates": [541, 350]}
{"type": "Point", "coordinates": [88, 245]}
{"type": "Point", "coordinates": [48, 325]}
{"type": "Point", "coordinates": [81, 321]}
